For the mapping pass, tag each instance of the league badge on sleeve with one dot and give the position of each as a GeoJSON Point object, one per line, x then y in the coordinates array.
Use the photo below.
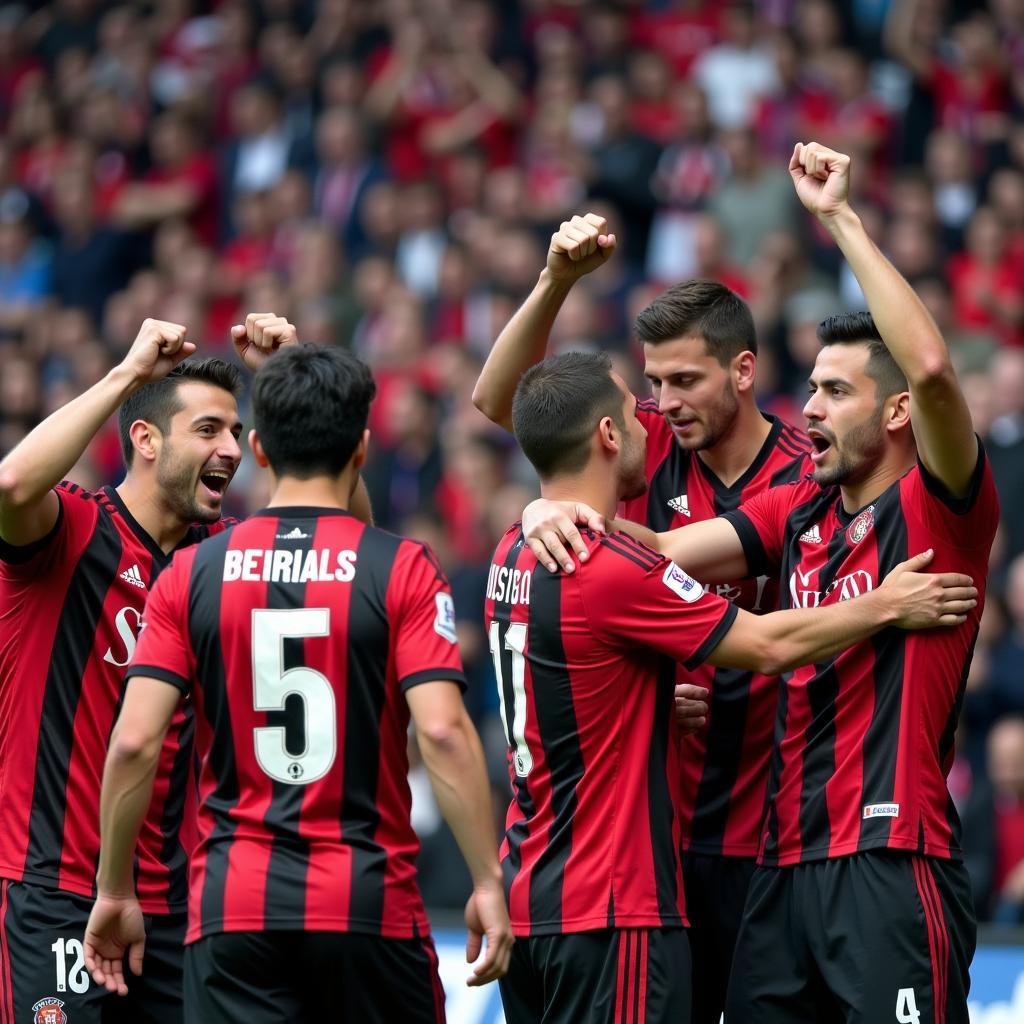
{"type": "Point", "coordinates": [49, 1011]}
{"type": "Point", "coordinates": [679, 583]}
{"type": "Point", "coordinates": [444, 622]}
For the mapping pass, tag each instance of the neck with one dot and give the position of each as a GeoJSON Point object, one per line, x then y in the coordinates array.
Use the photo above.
{"type": "Point", "coordinates": [143, 501]}
{"type": "Point", "coordinates": [316, 492]}
{"type": "Point", "coordinates": [596, 489]}
{"type": "Point", "coordinates": [881, 478]}
{"type": "Point", "coordinates": [732, 455]}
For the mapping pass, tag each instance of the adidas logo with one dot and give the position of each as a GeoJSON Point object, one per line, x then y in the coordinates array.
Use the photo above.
{"type": "Point", "coordinates": [295, 534]}
{"type": "Point", "coordinates": [680, 505]}
{"type": "Point", "coordinates": [134, 577]}
{"type": "Point", "coordinates": [811, 536]}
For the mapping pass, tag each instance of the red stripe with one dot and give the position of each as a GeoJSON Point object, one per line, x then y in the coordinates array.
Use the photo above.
{"type": "Point", "coordinates": [641, 1014]}
{"type": "Point", "coordinates": [624, 977]}
{"type": "Point", "coordinates": [435, 981]}
{"type": "Point", "coordinates": [943, 936]}
{"type": "Point", "coordinates": [924, 895]}
{"type": "Point", "coordinates": [6, 992]}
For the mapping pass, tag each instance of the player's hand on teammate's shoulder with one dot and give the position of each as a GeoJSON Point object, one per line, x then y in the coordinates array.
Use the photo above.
{"type": "Point", "coordinates": [158, 347]}
{"type": "Point", "coordinates": [260, 337]}
{"type": "Point", "coordinates": [923, 600]}
{"type": "Point", "coordinates": [115, 927]}
{"type": "Point", "coordinates": [691, 707]}
{"type": "Point", "coordinates": [579, 246]}
{"type": "Point", "coordinates": [550, 529]}
{"type": "Point", "coordinates": [821, 177]}
{"type": "Point", "coordinates": [487, 915]}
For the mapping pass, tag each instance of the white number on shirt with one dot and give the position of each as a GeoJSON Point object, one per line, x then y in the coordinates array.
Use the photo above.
{"type": "Point", "coordinates": [272, 686]}
{"type": "Point", "coordinates": [515, 641]}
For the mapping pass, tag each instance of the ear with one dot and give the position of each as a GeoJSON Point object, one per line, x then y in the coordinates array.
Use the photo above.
{"type": "Point", "coordinates": [897, 415]}
{"type": "Point", "coordinates": [257, 450]}
{"type": "Point", "coordinates": [359, 455]}
{"type": "Point", "coordinates": [146, 440]}
{"type": "Point", "coordinates": [744, 370]}
{"type": "Point", "coordinates": [608, 435]}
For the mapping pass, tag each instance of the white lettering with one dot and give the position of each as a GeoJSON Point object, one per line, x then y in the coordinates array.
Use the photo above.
{"type": "Point", "coordinates": [282, 566]}
{"type": "Point", "coordinates": [250, 572]}
{"type": "Point", "coordinates": [509, 585]}
{"type": "Point", "coordinates": [805, 594]}
{"type": "Point", "coordinates": [346, 566]}
{"type": "Point", "coordinates": [232, 565]}
{"type": "Point", "coordinates": [129, 634]}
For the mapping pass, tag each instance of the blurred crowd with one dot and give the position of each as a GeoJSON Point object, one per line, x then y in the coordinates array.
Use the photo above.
{"type": "Point", "coordinates": [386, 174]}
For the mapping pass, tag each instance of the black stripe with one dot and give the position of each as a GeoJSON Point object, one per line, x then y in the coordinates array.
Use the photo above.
{"type": "Point", "coordinates": [790, 473]}
{"type": "Point", "coordinates": [638, 546]}
{"type": "Point", "coordinates": [556, 723]}
{"type": "Point", "coordinates": [288, 864]}
{"type": "Point", "coordinates": [668, 481]}
{"type": "Point", "coordinates": [637, 552]}
{"type": "Point", "coordinates": [364, 704]}
{"type": "Point", "coordinates": [713, 639]}
{"type": "Point", "coordinates": [797, 437]}
{"type": "Point", "coordinates": [787, 447]}
{"type": "Point", "coordinates": [881, 740]}
{"type": "Point", "coordinates": [644, 563]}
{"type": "Point", "coordinates": [626, 933]}
{"type": "Point", "coordinates": [948, 738]}
{"type": "Point", "coordinates": [73, 643]}
{"type": "Point", "coordinates": [758, 562]}
{"type": "Point", "coordinates": [819, 754]}
{"type": "Point", "coordinates": [517, 832]}
{"type": "Point", "coordinates": [173, 855]}
{"type": "Point", "coordinates": [204, 604]}
{"type": "Point", "coordinates": [661, 810]}
{"type": "Point", "coordinates": [636, 975]}
{"type": "Point", "coordinates": [769, 857]}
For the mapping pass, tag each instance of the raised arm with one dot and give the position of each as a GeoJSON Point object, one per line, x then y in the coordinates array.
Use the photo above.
{"type": "Point", "coordinates": [454, 759]}
{"type": "Point", "coordinates": [907, 598]}
{"type": "Point", "coordinates": [938, 411]}
{"type": "Point", "coordinates": [578, 247]}
{"type": "Point", "coordinates": [28, 504]}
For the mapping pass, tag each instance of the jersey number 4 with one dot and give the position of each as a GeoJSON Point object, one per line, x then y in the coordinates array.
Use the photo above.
{"type": "Point", "coordinates": [272, 685]}
{"type": "Point", "coordinates": [515, 644]}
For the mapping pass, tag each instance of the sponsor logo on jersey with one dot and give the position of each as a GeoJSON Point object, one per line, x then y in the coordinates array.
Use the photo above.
{"type": "Point", "coordinates": [49, 1011]}
{"type": "Point", "coordinates": [295, 534]}
{"type": "Point", "coordinates": [811, 536]}
{"type": "Point", "coordinates": [858, 529]}
{"type": "Point", "coordinates": [679, 583]}
{"type": "Point", "coordinates": [881, 810]}
{"type": "Point", "coordinates": [680, 505]}
{"type": "Point", "coordinates": [444, 621]}
{"type": "Point", "coordinates": [805, 587]}
{"type": "Point", "coordinates": [134, 577]}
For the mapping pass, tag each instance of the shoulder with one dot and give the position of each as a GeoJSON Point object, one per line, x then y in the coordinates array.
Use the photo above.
{"type": "Point", "coordinates": [618, 553]}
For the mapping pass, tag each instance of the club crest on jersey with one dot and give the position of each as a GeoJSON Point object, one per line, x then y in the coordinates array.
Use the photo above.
{"type": "Point", "coordinates": [444, 622]}
{"type": "Point", "coordinates": [858, 529]}
{"type": "Point", "coordinates": [49, 1011]}
{"type": "Point", "coordinates": [679, 583]}
{"type": "Point", "coordinates": [680, 505]}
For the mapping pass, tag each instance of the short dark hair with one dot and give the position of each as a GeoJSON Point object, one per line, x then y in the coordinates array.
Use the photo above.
{"type": "Point", "coordinates": [704, 308]}
{"type": "Point", "coordinates": [557, 405]}
{"type": "Point", "coordinates": [310, 406]}
{"type": "Point", "coordinates": [860, 329]}
{"type": "Point", "coordinates": [158, 401]}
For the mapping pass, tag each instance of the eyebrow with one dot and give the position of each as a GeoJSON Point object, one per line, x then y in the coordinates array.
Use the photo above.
{"type": "Point", "coordinates": [830, 382]}
{"type": "Point", "coordinates": [217, 420]}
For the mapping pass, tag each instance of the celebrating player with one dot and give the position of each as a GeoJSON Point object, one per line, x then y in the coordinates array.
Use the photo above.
{"type": "Point", "coordinates": [305, 639]}
{"type": "Point", "coordinates": [75, 567]}
{"type": "Point", "coordinates": [709, 447]}
{"type": "Point", "coordinates": [585, 664]}
{"type": "Point", "coordinates": [861, 907]}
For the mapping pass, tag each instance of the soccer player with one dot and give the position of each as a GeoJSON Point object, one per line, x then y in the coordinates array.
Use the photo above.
{"type": "Point", "coordinates": [305, 640]}
{"type": "Point", "coordinates": [860, 909]}
{"type": "Point", "coordinates": [75, 567]}
{"type": "Point", "coordinates": [709, 448]}
{"type": "Point", "coordinates": [586, 667]}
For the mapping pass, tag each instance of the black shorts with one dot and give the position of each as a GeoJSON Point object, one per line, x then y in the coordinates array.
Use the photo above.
{"type": "Point", "coordinates": [716, 893]}
{"type": "Point", "coordinates": [613, 976]}
{"type": "Point", "coordinates": [874, 937]}
{"type": "Point", "coordinates": [42, 964]}
{"type": "Point", "coordinates": [292, 977]}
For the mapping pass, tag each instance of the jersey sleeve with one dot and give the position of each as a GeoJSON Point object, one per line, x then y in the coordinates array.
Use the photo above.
{"type": "Point", "coordinates": [164, 651]}
{"type": "Point", "coordinates": [76, 519]}
{"type": "Point", "coordinates": [965, 522]}
{"type": "Point", "coordinates": [635, 597]}
{"type": "Point", "coordinates": [425, 642]}
{"type": "Point", "coordinates": [761, 525]}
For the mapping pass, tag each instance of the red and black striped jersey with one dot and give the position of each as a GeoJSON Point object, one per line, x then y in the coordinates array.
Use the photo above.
{"type": "Point", "coordinates": [70, 607]}
{"type": "Point", "coordinates": [297, 634]}
{"type": "Point", "coordinates": [585, 665]}
{"type": "Point", "coordinates": [864, 741]}
{"type": "Point", "coordinates": [725, 765]}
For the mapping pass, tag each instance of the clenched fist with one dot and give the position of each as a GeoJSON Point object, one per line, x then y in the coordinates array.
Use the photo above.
{"type": "Point", "coordinates": [579, 246]}
{"type": "Point", "coordinates": [158, 347]}
{"type": "Point", "coordinates": [260, 337]}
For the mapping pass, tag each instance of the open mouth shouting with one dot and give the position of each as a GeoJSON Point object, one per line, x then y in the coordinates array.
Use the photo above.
{"type": "Point", "coordinates": [822, 443]}
{"type": "Point", "coordinates": [215, 480]}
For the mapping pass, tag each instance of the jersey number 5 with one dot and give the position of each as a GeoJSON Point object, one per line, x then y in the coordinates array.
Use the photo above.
{"type": "Point", "coordinates": [272, 685]}
{"type": "Point", "coordinates": [515, 643]}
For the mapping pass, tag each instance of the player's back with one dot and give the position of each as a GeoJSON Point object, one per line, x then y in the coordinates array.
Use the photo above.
{"type": "Point", "coordinates": [300, 624]}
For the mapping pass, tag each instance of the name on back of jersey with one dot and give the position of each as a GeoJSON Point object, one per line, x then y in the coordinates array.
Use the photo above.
{"type": "Point", "coordinates": [509, 585]}
{"type": "Point", "coordinates": [313, 565]}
